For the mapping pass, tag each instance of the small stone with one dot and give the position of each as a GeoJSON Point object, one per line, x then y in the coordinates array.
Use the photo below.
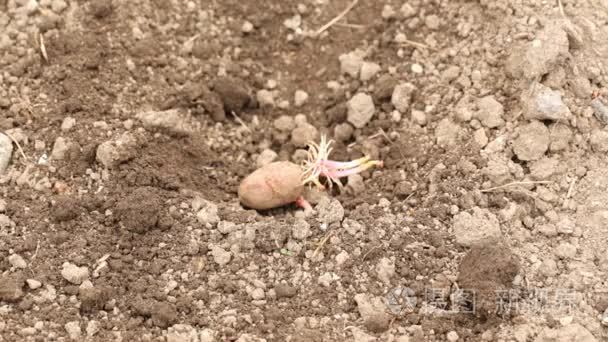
{"type": "Point", "coordinates": [74, 274]}
{"type": "Point", "coordinates": [116, 151]}
{"type": "Point", "coordinates": [265, 98]}
{"type": "Point", "coordinates": [565, 250]}
{"type": "Point", "coordinates": [60, 148]}
{"type": "Point", "coordinates": [284, 123]}
{"type": "Point", "coordinates": [29, 331]}
{"type": "Point", "coordinates": [388, 12]}
{"type": "Point", "coordinates": [565, 226]}
{"type": "Point", "coordinates": [6, 152]}
{"type": "Point", "coordinates": [220, 256]}
{"type": "Point", "coordinates": [476, 229]}
{"type": "Point", "coordinates": [33, 284]}
{"type": "Point", "coordinates": [300, 229]}
{"type": "Point", "coordinates": [351, 63]}
{"type": "Point", "coordinates": [266, 157]}
{"type": "Point", "coordinates": [58, 6]}
{"type": "Point", "coordinates": [285, 291]}
{"type": "Point", "coordinates": [547, 230]}
{"type": "Point", "coordinates": [343, 132]}
{"type": "Point", "coordinates": [330, 211]}
{"type": "Point", "coordinates": [208, 213]}
{"type": "Point", "coordinates": [570, 332]}
{"type": "Point", "coordinates": [73, 330]}
{"type": "Point", "coordinates": [341, 258]}
{"type": "Point", "coordinates": [548, 267]}
{"type": "Point", "coordinates": [419, 117]}
{"type": "Point", "coordinates": [385, 269]}
{"type": "Point", "coordinates": [17, 261]}
{"type": "Point", "coordinates": [368, 71]}
{"type": "Point", "coordinates": [402, 96]}
{"type": "Point", "coordinates": [300, 98]}
{"type": "Point", "coordinates": [417, 68]}
{"type": "Point", "coordinates": [128, 124]}
{"type": "Point", "coordinates": [540, 56]}
{"type": "Point", "coordinates": [452, 336]}
{"type": "Point", "coordinates": [68, 123]}
{"type": "Point", "coordinates": [293, 23]}
{"type": "Point", "coordinates": [447, 132]}
{"type": "Point", "coordinates": [247, 27]}
{"type": "Point", "coordinates": [93, 327]}
{"type": "Point", "coordinates": [532, 142]}
{"type": "Point", "coordinates": [480, 137]}
{"type": "Point", "coordinates": [302, 135]}
{"type": "Point", "coordinates": [373, 312]}
{"type": "Point", "coordinates": [360, 110]}
{"type": "Point", "coordinates": [432, 22]}
{"type": "Point", "coordinates": [233, 93]}
{"type": "Point", "coordinates": [450, 74]}
{"type": "Point", "coordinates": [258, 294]}
{"type": "Point", "coordinates": [490, 112]}
{"type": "Point", "coordinates": [599, 140]}
{"type": "Point", "coordinates": [171, 121]}
{"type": "Point", "coordinates": [408, 10]}
{"type": "Point", "coordinates": [543, 103]}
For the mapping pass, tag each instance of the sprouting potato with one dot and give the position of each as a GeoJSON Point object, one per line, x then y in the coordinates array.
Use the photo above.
{"type": "Point", "coordinates": [281, 183]}
{"type": "Point", "coordinates": [271, 186]}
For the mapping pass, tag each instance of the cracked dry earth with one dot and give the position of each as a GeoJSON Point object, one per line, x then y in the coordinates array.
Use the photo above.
{"type": "Point", "coordinates": [127, 126]}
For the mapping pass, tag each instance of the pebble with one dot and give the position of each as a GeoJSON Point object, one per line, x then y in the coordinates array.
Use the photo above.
{"type": "Point", "coordinates": [113, 152]}
{"type": "Point", "coordinates": [532, 142]}
{"type": "Point", "coordinates": [351, 63]}
{"type": "Point", "coordinates": [171, 121]}
{"type": "Point", "coordinates": [541, 55]}
{"type": "Point", "coordinates": [300, 229]}
{"type": "Point", "coordinates": [258, 294]}
{"type": "Point", "coordinates": [220, 256]}
{"type": "Point", "coordinates": [419, 117]}
{"type": "Point", "coordinates": [93, 327]}
{"type": "Point", "coordinates": [284, 123]}
{"type": "Point", "coordinates": [447, 132]}
{"type": "Point", "coordinates": [570, 332]}
{"type": "Point", "coordinates": [33, 284]}
{"type": "Point", "coordinates": [408, 10]}
{"type": "Point", "coordinates": [543, 103]}
{"type": "Point", "coordinates": [368, 71]}
{"type": "Point", "coordinates": [17, 261]}
{"type": "Point", "coordinates": [247, 27]}
{"type": "Point", "coordinates": [373, 312]}
{"type": "Point", "coordinates": [361, 336]}
{"type": "Point", "coordinates": [265, 98]}
{"type": "Point", "coordinates": [343, 132]}
{"type": "Point", "coordinates": [266, 157]}
{"type": "Point", "coordinates": [417, 68]}
{"type": "Point", "coordinates": [329, 210]}
{"type": "Point", "coordinates": [480, 137]}
{"type": "Point", "coordinates": [476, 229]}
{"type": "Point", "coordinates": [560, 136]}
{"type": "Point", "coordinates": [452, 336]}
{"type": "Point", "coordinates": [565, 250]}
{"type": "Point", "coordinates": [402, 96]}
{"type": "Point", "coordinates": [74, 274]}
{"type": "Point", "coordinates": [73, 330]}
{"type": "Point", "coordinates": [60, 147]}
{"type": "Point", "coordinates": [450, 74]}
{"type": "Point", "coordinates": [58, 6]}
{"type": "Point", "coordinates": [207, 213]}
{"type": "Point", "coordinates": [68, 123]}
{"type": "Point", "coordinates": [341, 258]}
{"type": "Point", "coordinates": [302, 135]}
{"type": "Point", "coordinates": [6, 152]}
{"type": "Point", "coordinates": [432, 22]}
{"type": "Point", "coordinates": [360, 110]}
{"type": "Point", "coordinates": [300, 98]}
{"type": "Point", "coordinates": [490, 112]}
{"type": "Point", "coordinates": [385, 269]}
{"type": "Point", "coordinates": [599, 140]}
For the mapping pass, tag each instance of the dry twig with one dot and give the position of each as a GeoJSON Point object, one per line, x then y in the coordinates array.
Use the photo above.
{"type": "Point", "coordinates": [515, 183]}
{"type": "Point", "coordinates": [336, 19]}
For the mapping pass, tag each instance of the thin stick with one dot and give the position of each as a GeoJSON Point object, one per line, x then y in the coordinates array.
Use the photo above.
{"type": "Point", "coordinates": [43, 48]}
{"type": "Point", "coordinates": [416, 44]}
{"type": "Point", "coordinates": [18, 146]}
{"type": "Point", "coordinates": [336, 19]}
{"type": "Point", "coordinates": [370, 250]}
{"type": "Point", "coordinates": [321, 244]}
{"type": "Point", "coordinates": [355, 26]}
{"type": "Point", "coordinates": [515, 183]}
{"type": "Point", "coordinates": [236, 117]}
{"type": "Point", "coordinates": [571, 188]}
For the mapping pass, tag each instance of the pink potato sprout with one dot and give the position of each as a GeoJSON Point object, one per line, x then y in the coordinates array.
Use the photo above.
{"type": "Point", "coordinates": [318, 165]}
